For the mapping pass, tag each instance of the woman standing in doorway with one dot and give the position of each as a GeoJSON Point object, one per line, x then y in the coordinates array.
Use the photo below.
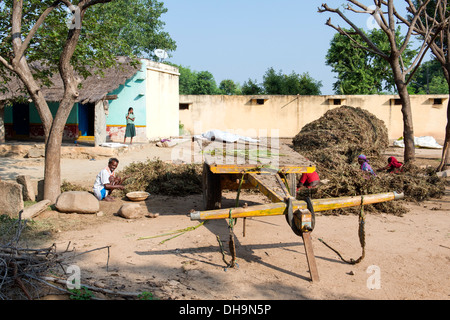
{"type": "Point", "coordinates": [130, 130]}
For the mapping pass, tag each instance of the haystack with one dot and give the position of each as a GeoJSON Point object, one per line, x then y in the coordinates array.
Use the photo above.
{"type": "Point", "coordinates": [340, 135]}
{"type": "Point", "coordinates": [334, 142]}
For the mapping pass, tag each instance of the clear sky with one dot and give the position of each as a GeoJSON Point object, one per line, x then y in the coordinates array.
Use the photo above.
{"type": "Point", "coordinates": [241, 39]}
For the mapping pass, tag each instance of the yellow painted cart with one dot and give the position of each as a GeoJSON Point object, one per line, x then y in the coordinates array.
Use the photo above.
{"type": "Point", "coordinates": [271, 169]}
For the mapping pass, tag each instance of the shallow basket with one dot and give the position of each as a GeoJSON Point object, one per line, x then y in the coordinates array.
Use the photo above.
{"type": "Point", "coordinates": [137, 195]}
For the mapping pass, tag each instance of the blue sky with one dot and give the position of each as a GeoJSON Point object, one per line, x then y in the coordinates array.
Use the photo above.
{"type": "Point", "coordinates": [239, 40]}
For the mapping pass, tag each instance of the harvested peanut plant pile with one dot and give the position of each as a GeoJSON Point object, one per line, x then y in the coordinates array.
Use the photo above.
{"type": "Point", "coordinates": [333, 143]}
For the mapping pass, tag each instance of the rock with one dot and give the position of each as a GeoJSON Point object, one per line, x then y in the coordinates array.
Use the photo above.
{"type": "Point", "coordinates": [11, 199]}
{"type": "Point", "coordinates": [36, 209]}
{"type": "Point", "coordinates": [28, 190]}
{"type": "Point", "coordinates": [36, 152]}
{"type": "Point", "coordinates": [174, 283]}
{"type": "Point", "coordinates": [130, 211]}
{"type": "Point", "coordinates": [77, 201]}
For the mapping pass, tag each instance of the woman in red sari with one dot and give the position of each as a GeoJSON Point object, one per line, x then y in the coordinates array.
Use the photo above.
{"type": "Point", "coordinates": [393, 166]}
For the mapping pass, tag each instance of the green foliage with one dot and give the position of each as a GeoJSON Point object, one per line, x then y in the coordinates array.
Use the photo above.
{"type": "Point", "coordinates": [251, 87]}
{"type": "Point", "coordinates": [146, 296]}
{"type": "Point", "coordinates": [429, 79]}
{"type": "Point", "coordinates": [196, 82]}
{"type": "Point", "coordinates": [137, 25]}
{"type": "Point", "coordinates": [360, 71]}
{"type": "Point", "coordinates": [292, 84]}
{"type": "Point", "coordinates": [81, 294]}
{"type": "Point", "coordinates": [204, 84]}
{"type": "Point", "coordinates": [122, 27]}
{"type": "Point", "coordinates": [199, 83]}
{"type": "Point", "coordinates": [229, 87]}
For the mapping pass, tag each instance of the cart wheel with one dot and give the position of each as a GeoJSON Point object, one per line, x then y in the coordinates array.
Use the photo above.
{"type": "Point", "coordinates": [212, 192]}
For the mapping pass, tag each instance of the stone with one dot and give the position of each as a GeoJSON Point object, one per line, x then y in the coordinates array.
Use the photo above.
{"type": "Point", "coordinates": [11, 199]}
{"type": "Point", "coordinates": [36, 152]}
{"type": "Point", "coordinates": [36, 209]}
{"type": "Point", "coordinates": [130, 211]}
{"type": "Point", "coordinates": [28, 190]}
{"type": "Point", "coordinates": [77, 201]}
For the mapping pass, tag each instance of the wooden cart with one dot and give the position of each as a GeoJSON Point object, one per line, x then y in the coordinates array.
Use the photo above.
{"type": "Point", "coordinates": [270, 168]}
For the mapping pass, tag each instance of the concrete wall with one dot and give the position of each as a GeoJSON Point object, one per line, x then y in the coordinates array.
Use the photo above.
{"type": "Point", "coordinates": [286, 115]}
{"type": "Point", "coordinates": [162, 100]}
{"type": "Point", "coordinates": [131, 94]}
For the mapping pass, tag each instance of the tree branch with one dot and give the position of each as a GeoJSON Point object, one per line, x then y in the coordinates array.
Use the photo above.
{"type": "Point", "coordinates": [93, 2]}
{"type": "Point", "coordinates": [375, 49]}
{"type": "Point", "coordinates": [413, 22]}
{"type": "Point", "coordinates": [24, 45]}
{"type": "Point", "coordinates": [6, 63]}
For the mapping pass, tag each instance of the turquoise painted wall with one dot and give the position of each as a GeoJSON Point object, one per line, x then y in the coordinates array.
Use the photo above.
{"type": "Point", "coordinates": [8, 116]}
{"type": "Point", "coordinates": [131, 94]}
{"type": "Point", "coordinates": [72, 119]}
{"type": "Point", "coordinates": [34, 115]}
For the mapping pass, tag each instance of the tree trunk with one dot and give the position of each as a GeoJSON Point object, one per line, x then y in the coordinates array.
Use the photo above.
{"type": "Point", "coordinates": [2, 121]}
{"type": "Point", "coordinates": [408, 128]}
{"type": "Point", "coordinates": [52, 171]}
{"type": "Point", "coordinates": [445, 159]}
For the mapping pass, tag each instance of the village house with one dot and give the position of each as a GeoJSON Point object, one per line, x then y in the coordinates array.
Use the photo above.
{"type": "Point", "coordinates": [98, 116]}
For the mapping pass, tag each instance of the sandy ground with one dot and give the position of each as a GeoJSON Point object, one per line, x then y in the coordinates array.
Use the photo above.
{"type": "Point", "coordinates": [406, 257]}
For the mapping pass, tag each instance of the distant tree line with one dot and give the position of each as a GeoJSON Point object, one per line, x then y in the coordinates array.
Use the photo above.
{"type": "Point", "coordinates": [203, 83]}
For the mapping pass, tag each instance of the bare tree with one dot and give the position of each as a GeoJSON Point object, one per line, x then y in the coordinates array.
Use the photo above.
{"type": "Point", "coordinates": [17, 63]}
{"type": "Point", "coordinates": [385, 13]}
{"type": "Point", "coordinates": [434, 28]}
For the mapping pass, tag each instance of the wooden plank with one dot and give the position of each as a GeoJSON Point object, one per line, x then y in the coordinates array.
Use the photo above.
{"type": "Point", "coordinates": [267, 187]}
{"type": "Point", "coordinates": [278, 208]}
{"type": "Point", "coordinates": [237, 168]}
{"type": "Point", "coordinates": [310, 256]}
{"type": "Point", "coordinates": [238, 157]}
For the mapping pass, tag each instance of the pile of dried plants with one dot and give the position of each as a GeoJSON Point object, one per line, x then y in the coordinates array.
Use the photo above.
{"type": "Point", "coordinates": [159, 177]}
{"type": "Point", "coordinates": [334, 141]}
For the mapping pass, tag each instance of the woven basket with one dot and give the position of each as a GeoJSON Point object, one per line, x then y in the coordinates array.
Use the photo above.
{"type": "Point", "coordinates": [137, 195]}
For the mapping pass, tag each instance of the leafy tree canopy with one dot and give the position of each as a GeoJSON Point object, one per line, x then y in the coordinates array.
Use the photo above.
{"type": "Point", "coordinates": [429, 79]}
{"type": "Point", "coordinates": [251, 87]}
{"type": "Point", "coordinates": [196, 82]}
{"type": "Point", "coordinates": [122, 27]}
{"type": "Point", "coordinates": [138, 24]}
{"type": "Point", "coordinates": [292, 84]}
{"type": "Point", "coordinates": [229, 87]}
{"type": "Point", "coordinates": [360, 71]}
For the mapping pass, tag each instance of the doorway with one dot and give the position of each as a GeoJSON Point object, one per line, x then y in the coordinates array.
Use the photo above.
{"type": "Point", "coordinates": [21, 120]}
{"type": "Point", "coordinates": [86, 120]}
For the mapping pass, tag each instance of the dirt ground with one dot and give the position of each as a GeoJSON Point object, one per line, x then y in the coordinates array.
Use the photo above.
{"type": "Point", "coordinates": [406, 257]}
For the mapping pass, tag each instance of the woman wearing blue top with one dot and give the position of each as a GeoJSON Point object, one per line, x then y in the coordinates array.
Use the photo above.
{"type": "Point", "coordinates": [365, 166]}
{"type": "Point", "coordinates": [130, 130]}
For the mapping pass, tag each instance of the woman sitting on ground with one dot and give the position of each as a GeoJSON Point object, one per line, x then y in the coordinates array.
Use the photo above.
{"type": "Point", "coordinates": [393, 166]}
{"type": "Point", "coordinates": [365, 166]}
